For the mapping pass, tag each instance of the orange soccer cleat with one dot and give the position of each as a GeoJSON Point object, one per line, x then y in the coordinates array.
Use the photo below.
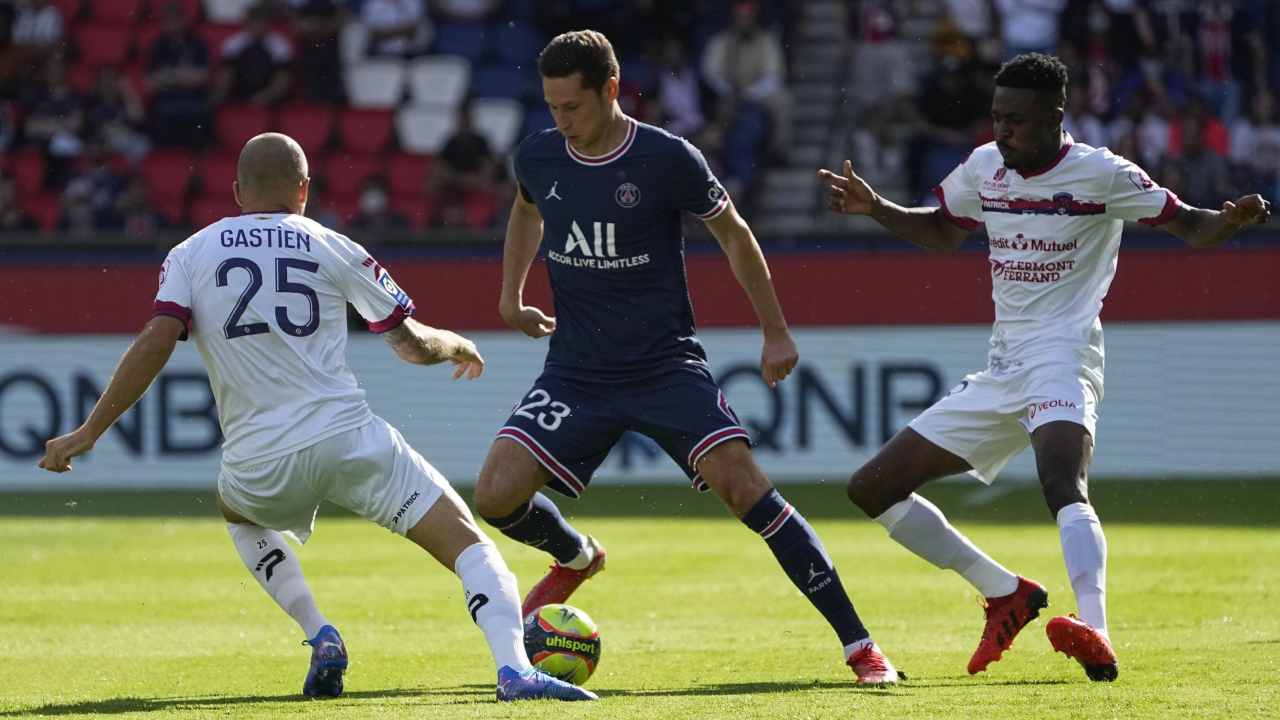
{"type": "Point", "coordinates": [556, 586]}
{"type": "Point", "coordinates": [1076, 638]}
{"type": "Point", "coordinates": [1006, 616]}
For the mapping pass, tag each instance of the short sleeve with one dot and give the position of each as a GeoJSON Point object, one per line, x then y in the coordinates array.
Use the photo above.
{"type": "Point", "coordinates": [369, 287]}
{"type": "Point", "coordinates": [1134, 196]}
{"type": "Point", "coordinates": [174, 296]}
{"type": "Point", "coordinates": [519, 173]}
{"type": "Point", "coordinates": [696, 188]}
{"type": "Point", "coordinates": [958, 197]}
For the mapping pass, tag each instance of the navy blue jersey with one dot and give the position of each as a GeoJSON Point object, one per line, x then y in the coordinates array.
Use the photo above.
{"type": "Point", "coordinates": [615, 251]}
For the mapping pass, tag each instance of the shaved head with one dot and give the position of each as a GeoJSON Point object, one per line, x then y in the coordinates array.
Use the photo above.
{"type": "Point", "coordinates": [272, 169]}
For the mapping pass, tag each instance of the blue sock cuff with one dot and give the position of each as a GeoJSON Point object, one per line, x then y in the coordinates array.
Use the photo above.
{"type": "Point", "coordinates": [768, 514]}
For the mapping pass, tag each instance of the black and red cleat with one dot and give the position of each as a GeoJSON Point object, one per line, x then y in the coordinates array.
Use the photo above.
{"type": "Point", "coordinates": [558, 584]}
{"type": "Point", "coordinates": [1077, 639]}
{"type": "Point", "coordinates": [1006, 616]}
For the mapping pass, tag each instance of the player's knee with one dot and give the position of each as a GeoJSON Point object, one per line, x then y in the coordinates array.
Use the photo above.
{"type": "Point", "coordinates": [732, 473]}
{"type": "Point", "coordinates": [861, 491]}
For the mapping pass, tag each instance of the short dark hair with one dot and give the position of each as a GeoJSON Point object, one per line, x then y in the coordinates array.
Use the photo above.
{"type": "Point", "coordinates": [584, 51]}
{"type": "Point", "coordinates": [1035, 71]}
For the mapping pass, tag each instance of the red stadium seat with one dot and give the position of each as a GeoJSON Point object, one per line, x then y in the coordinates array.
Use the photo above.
{"type": "Point", "coordinates": [27, 169]}
{"type": "Point", "coordinates": [310, 125]}
{"type": "Point", "coordinates": [408, 173]}
{"type": "Point", "coordinates": [190, 9]}
{"type": "Point", "coordinates": [365, 131]}
{"type": "Point", "coordinates": [103, 44]}
{"type": "Point", "coordinates": [416, 207]}
{"type": "Point", "coordinates": [116, 11]}
{"type": "Point", "coordinates": [45, 208]}
{"type": "Point", "coordinates": [167, 174]}
{"type": "Point", "coordinates": [217, 172]}
{"type": "Point", "coordinates": [68, 9]}
{"type": "Point", "coordinates": [347, 206]}
{"type": "Point", "coordinates": [172, 210]}
{"type": "Point", "coordinates": [214, 36]}
{"type": "Point", "coordinates": [81, 77]}
{"type": "Point", "coordinates": [209, 209]}
{"type": "Point", "coordinates": [344, 172]}
{"type": "Point", "coordinates": [235, 124]}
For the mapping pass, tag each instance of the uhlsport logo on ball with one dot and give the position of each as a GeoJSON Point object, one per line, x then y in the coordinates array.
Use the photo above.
{"type": "Point", "coordinates": [562, 641]}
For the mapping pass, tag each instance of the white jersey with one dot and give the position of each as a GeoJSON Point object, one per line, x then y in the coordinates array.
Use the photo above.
{"type": "Point", "coordinates": [1054, 237]}
{"type": "Point", "coordinates": [265, 296]}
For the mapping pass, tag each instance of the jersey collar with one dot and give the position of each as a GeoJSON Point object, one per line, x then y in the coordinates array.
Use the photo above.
{"type": "Point", "coordinates": [605, 159]}
{"type": "Point", "coordinates": [1067, 141]}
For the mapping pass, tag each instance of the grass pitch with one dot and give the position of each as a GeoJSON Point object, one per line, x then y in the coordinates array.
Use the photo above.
{"type": "Point", "coordinates": [136, 605]}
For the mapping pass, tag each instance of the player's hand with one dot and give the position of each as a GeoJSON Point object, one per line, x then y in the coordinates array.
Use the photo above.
{"type": "Point", "coordinates": [466, 360]}
{"type": "Point", "coordinates": [778, 358]}
{"type": "Point", "coordinates": [531, 321]}
{"type": "Point", "coordinates": [59, 451]}
{"type": "Point", "coordinates": [1248, 210]}
{"type": "Point", "coordinates": [848, 194]}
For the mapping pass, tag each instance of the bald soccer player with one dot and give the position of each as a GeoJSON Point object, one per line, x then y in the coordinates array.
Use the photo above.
{"type": "Point", "coordinates": [264, 294]}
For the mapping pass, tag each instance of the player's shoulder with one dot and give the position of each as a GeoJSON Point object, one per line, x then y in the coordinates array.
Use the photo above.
{"type": "Point", "coordinates": [984, 156]}
{"type": "Point", "coordinates": [1100, 158]}
{"type": "Point", "coordinates": [653, 139]}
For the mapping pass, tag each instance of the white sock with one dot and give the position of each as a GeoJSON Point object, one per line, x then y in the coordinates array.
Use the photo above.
{"type": "Point", "coordinates": [854, 647]}
{"type": "Point", "coordinates": [1084, 548]}
{"type": "Point", "coordinates": [276, 568]}
{"type": "Point", "coordinates": [921, 528]}
{"type": "Point", "coordinates": [494, 603]}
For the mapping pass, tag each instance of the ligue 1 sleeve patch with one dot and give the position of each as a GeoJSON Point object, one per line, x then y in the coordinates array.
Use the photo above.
{"type": "Point", "coordinates": [383, 278]}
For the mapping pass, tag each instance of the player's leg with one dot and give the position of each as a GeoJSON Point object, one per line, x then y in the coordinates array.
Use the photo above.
{"type": "Point", "coordinates": [733, 475]}
{"type": "Point", "coordinates": [1064, 450]}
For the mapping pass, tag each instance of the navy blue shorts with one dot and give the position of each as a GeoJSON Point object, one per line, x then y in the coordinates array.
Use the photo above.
{"type": "Point", "coordinates": [570, 426]}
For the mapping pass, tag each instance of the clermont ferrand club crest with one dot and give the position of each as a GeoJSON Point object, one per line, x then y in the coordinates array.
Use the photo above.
{"type": "Point", "coordinates": [627, 195]}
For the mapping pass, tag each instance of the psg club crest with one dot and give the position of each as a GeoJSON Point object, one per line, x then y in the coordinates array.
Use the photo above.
{"type": "Point", "coordinates": [627, 195]}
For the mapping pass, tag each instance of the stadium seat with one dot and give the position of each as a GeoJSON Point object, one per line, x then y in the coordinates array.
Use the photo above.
{"type": "Point", "coordinates": [190, 9]}
{"type": "Point", "coordinates": [44, 208]}
{"type": "Point", "coordinates": [416, 207]}
{"type": "Point", "coordinates": [217, 172]}
{"type": "Point", "coordinates": [408, 173]}
{"type": "Point", "coordinates": [375, 83]}
{"type": "Point", "coordinates": [214, 37]}
{"type": "Point", "coordinates": [81, 76]}
{"type": "Point", "coordinates": [173, 210]}
{"type": "Point", "coordinates": [365, 131]}
{"type": "Point", "coordinates": [499, 120]}
{"type": "Point", "coordinates": [68, 9]}
{"type": "Point", "coordinates": [235, 124]}
{"type": "Point", "coordinates": [440, 81]}
{"type": "Point", "coordinates": [227, 11]}
{"type": "Point", "coordinates": [27, 169]}
{"type": "Point", "coordinates": [343, 172]}
{"type": "Point", "coordinates": [210, 209]}
{"type": "Point", "coordinates": [310, 125]}
{"type": "Point", "coordinates": [498, 81]}
{"type": "Point", "coordinates": [347, 205]}
{"type": "Point", "coordinates": [116, 11]}
{"type": "Point", "coordinates": [167, 174]}
{"type": "Point", "coordinates": [424, 130]}
{"type": "Point", "coordinates": [103, 44]}
{"type": "Point", "coordinates": [468, 39]}
{"type": "Point", "coordinates": [518, 44]}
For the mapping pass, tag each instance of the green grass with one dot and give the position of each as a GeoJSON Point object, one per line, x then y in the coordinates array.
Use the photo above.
{"type": "Point", "coordinates": [137, 605]}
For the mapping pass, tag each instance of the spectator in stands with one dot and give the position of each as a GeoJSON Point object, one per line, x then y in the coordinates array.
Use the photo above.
{"type": "Point", "coordinates": [953, 108]}
{"type": "Point", "coordinates": [1029, 25]}
{"type": "Point", "coordinates": [1208, 180]}
{"type": "Point", "coordinates": [114, 115]}
{"type": "Point", "coordinates": [318, 207]}
{"type": "Point", "coordinates": [136, 212]}
{"type": "Point", "coordinates": [8, 124]}
{"type": "Point", "coordinates": [255, 63]}
{"type": "Point", "coordinates": [12, 57]}
{"type": "Point", "coordinates": [746, 67]}
{"type": "Point", "coordinates": [679, 92]}
{"type": "Point", "coordinates": [883, 85]}
{"type": "Point", "coordinates": [38, 28]}
{"type": "Point", "coordinates": [97, 187]}
{"type": "Point", "coordinates": [1213, 134]}
{"type": "Point", "coordinates": [178, 80]}
{"type": "Point", "coordinates": [55, 122]}
{"type": "Point", "coordinates": [1080, 121]}
{"type": "Point", "coordinates": [464, 10]}
{"type": "Point", "coordinates": [318, 24]}
{"type": "Point", "coordinates": [464, 178]}
{"type": "Point", "coordinates": [12, 217]}
{"type": "Point", "coordinates": [1255, 146]}
{"type": "Point", "coordinates": [397, 28]}
{"type": "Point", "coordinates": [375, 211]}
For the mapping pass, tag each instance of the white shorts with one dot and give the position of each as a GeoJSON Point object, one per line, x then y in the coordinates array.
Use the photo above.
{"type": "Point", "coordinates": [370, 470]}
{"type": "Point", "coordinates": [989, 418]}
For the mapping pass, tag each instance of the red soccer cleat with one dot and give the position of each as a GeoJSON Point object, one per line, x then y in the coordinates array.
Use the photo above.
{"type": "Point", "coordinates": [557, 585]}
{"type": "Point", "coordinates": [1074, 637]}
{"type": "Point", "coordinates": [1006, 616]}
{"type": "Point", "coordinates": [872, 667]}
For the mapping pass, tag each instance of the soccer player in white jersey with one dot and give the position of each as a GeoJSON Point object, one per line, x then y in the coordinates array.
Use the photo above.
{"type": "Point", "coordinates": [265, 296]}
{"type": "Point", "coordinates": [1053, 211]}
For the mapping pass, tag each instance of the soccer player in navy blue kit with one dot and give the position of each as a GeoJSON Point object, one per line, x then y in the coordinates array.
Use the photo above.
{"type": "Point", "coordinates": [606, 194]}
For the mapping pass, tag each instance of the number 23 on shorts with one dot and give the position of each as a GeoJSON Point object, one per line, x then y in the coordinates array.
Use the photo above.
{"type": "Point", "coordinates": [532, 408]}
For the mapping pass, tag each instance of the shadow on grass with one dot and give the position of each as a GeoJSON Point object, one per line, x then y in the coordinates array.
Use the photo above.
{"type": "Point", "coordinates": [207, 703]}
{"type": "Point", "coordinates": [745, 688]}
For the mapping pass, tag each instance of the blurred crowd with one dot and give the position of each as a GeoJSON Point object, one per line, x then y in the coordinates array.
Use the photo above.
{"type": "Point", "coordinates": [124, 115]}
{"type": "Point", "coordinates": [1185, 88]}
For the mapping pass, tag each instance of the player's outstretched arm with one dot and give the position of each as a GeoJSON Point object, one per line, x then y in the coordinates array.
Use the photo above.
{"type": "Point", "coordinates": [779, 356]}
{"type": "Point", "coordinates": [1202, 228]}
{"type": "Point", "coordinates": [524, 234]}
{"type": "Point", "coordinates": [423, 345]}
{"type": "Point", "coordinates": [924, 227]}
{"type": "Point", "coordinates": [139, 366]}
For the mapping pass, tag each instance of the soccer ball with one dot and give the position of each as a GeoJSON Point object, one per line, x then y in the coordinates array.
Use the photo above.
{"type": "Point", "coordinates": [563, 642]}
